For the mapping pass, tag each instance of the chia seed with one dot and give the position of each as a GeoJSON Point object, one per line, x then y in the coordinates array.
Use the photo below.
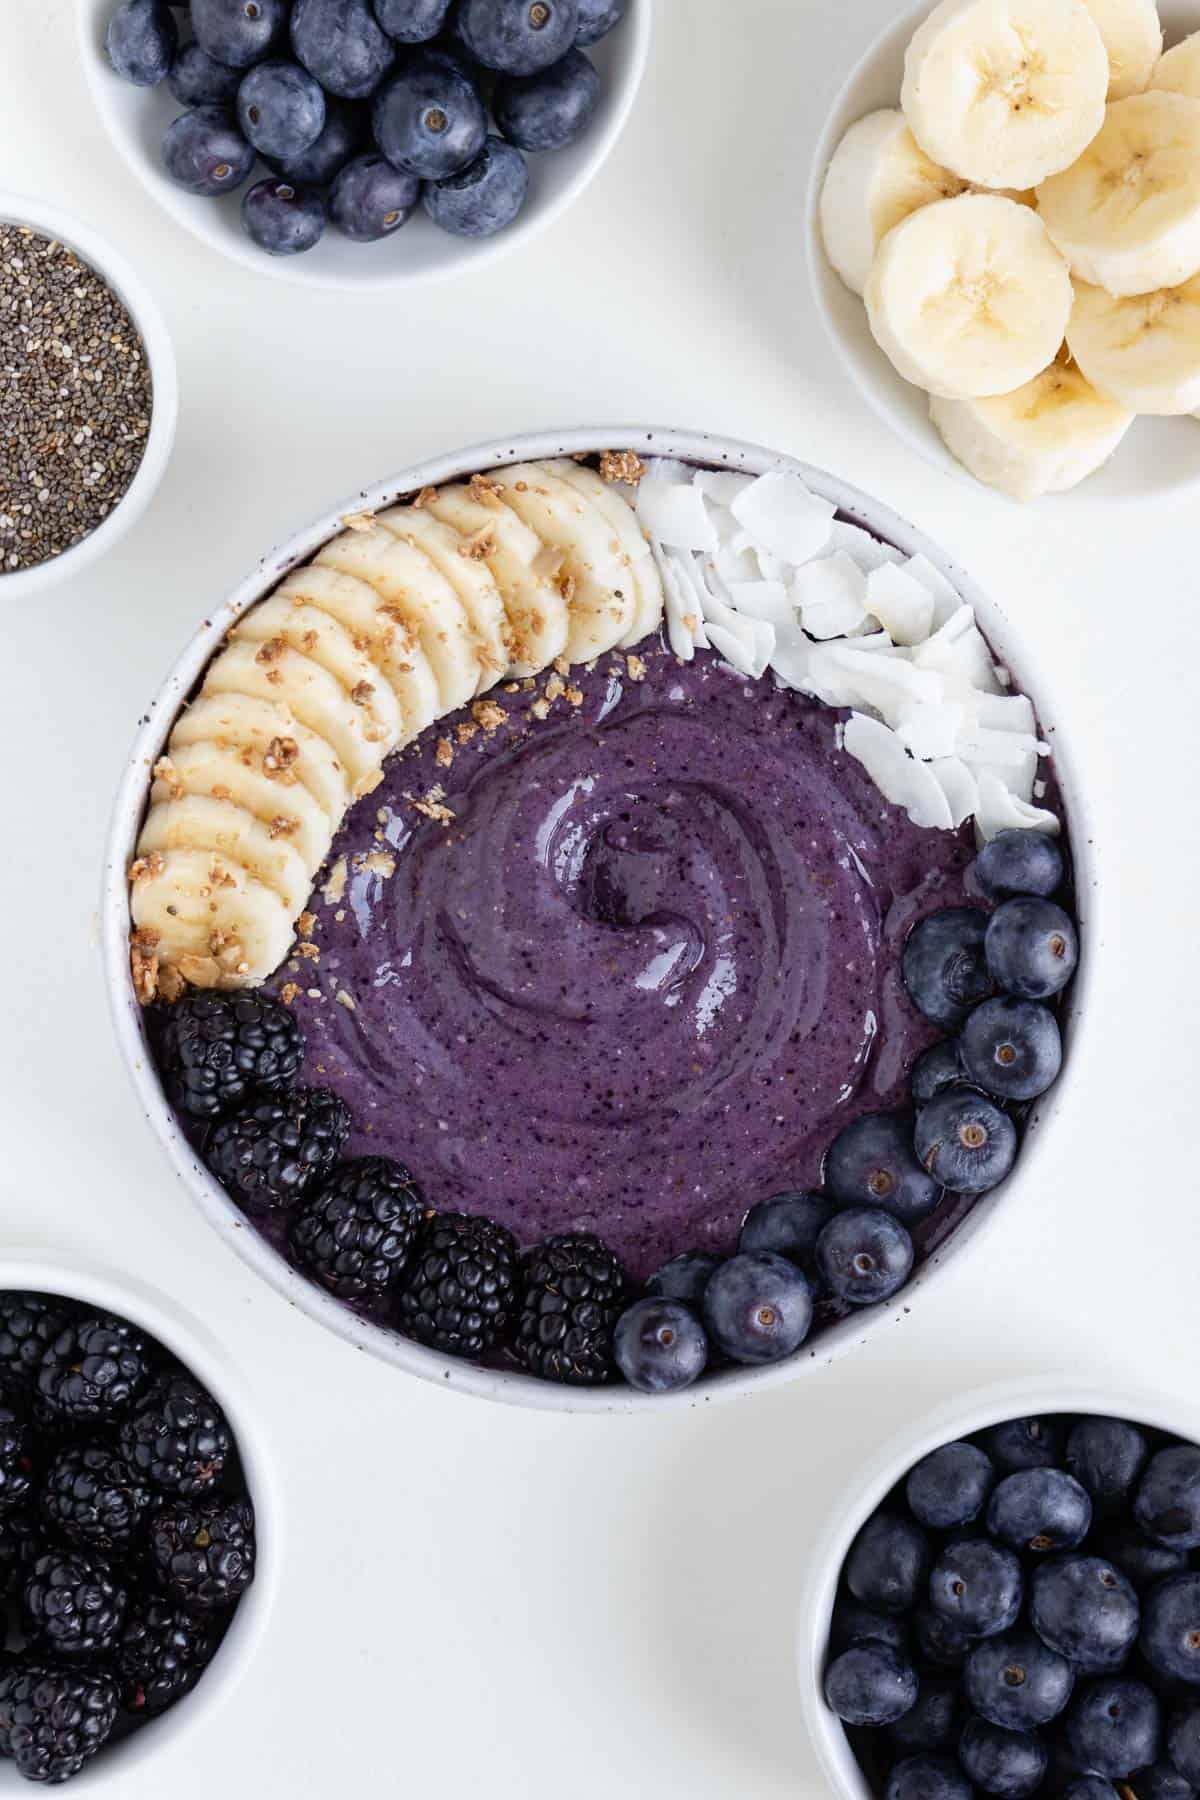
{"type": "Point", "coordinates": [75, 399]}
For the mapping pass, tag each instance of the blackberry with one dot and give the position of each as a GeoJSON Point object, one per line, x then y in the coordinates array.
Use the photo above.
{"type": "Point", "coordinates": [356, 1235]}
{"type": "Point", "coordinates": [93, 1369]}
{"type": "Point", "coordinates": [161, 1653]}
{"type": "Point", "coordinates": [92, 1498]}
{"type": "Point", "coordinates": [177, 1438]}
{"type": "Point", "coordinates": [52, 1720]}
{"type": "Point", "coordinates": [463, 1291]}
{"type": "Point", "coordinates": [21, 1543]}
{"type": "Point", "coordinates": [16, 1467]}
{"type": "Point", "coordinates": [74, 1605]}
{"type": "Point", "coordinates": [218, 1049]}
{"type": "Point", "coordinates": [272, 1151]}
{"type": "Point", "coordinates": [28, 1323]}
{"type": "Point", "coordinates": [203, 1553]}
{"type": "Point", "coordinates": [575, 1290]}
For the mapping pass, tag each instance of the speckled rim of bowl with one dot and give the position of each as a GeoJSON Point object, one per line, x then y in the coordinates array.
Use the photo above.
{"type": "Point", "coordinates": [33, 1268]}
{"type": "Point", "coordinates": [462, 256]}
{"type": "Point", "coordinates": [21, 209]}
{"type": "Point", "coordinates": [513, 1386]}
{"type": "Point", "coordinates": [968, 1412]}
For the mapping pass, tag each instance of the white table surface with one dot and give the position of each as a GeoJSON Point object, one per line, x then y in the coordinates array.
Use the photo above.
{"type": "Point", "coordinates": [478, 1599]}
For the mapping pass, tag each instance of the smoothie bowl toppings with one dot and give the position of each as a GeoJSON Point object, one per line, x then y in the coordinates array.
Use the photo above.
{"type": "Point", "coordinates": [605, 919]}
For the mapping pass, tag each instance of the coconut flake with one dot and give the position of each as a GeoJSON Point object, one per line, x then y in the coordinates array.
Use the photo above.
{"type": "Point", "coordinates": [902, 604]}
{"type": "Point", "coordinates": [767, 600]}
{"type": "Point", "coordinates": [791, 660]}
{"type": "Point", "coordinates": [721, 486]}
{"type": "Point", "coordinates": [784, 517]}
{"type": "Point", "coordinates": [931, 730]}
{"type": "Point", "coordinates": [946, 598]}
{"type": "Point", "coordinates": [831, 593]}
{"type": "Point", "coordinates": [886, 685]}
{"type": "Point", "coordinates": [868, 552]}
{"type": "Point", "coordinates": [898, 777]}
{"type": "Point", "coordinates": [1006, 712]}
{"type": "Point", "coordinates": [674, 513]}
{"type": "Point", "coordinates": [959, 652]}
{"type": "Point", "coordinates": [999, 810]}
{"type": "Point", "coordinates": [959, 786]}
{"type": "Point", "coordinates": [746, 644]}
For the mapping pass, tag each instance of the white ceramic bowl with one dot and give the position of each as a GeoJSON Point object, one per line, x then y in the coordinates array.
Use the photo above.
{"type": "Point", "coordinates": [52, 1272]}
{"type": "Point", "coordinates": [968, 1413]}
{"type": "Point", "coordinates": [19, 209]}
{"type": "Point", "coordinates": [1155, 456]}
{"type": "Point", "coordinates": [131, 803]}
{"type": "Point", "coordinates": [136, 118]}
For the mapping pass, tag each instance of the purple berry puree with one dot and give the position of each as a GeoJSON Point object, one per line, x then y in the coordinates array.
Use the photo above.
{"type": "Point", "coordinates": [628, 966]}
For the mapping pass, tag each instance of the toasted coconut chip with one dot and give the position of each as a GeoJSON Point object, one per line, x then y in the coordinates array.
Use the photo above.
{"type": "Point", "coordinates": [675, 515]}
{"type": "Point", "coordinates": [831, 594]}
{"type": "Point", "coordinates": [782, 515]}
{"type": "Point", "coordinates": [899, 778]}
{"type": "Point", "coordinates": [901, 603]}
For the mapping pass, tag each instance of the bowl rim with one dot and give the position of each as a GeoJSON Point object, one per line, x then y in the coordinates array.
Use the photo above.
{"type": "Point", "coordinates": [113, 267]}
{"type": "Point", "coordinates": [472, 253]}
{"type": "Point", "coordinates": [36, 1268]}
{"type": "Point", "coordinates": [969, 1411]}
{"type": "Point", "coordinates": [514, 1386]}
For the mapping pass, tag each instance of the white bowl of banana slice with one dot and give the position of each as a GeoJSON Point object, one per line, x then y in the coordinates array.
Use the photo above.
{"type": "Point", "coordinates": [1004, 241]}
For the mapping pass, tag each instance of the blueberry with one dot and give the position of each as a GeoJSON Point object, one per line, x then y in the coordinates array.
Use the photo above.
{"type": "Point", "coordinates": [943, 965]}
{"type": "Point", "coordinates": [1019, 862]}
{"type": "Point", "coordinates": [370, 199]}
{"type": "Point", "coordinates": [1183, 1742]}
{"type": "Point", "coordinates": [933, 1718]}
{"type": "Point", "coordinates": [1140, 1558]}
{"type": "Point", "coordinates": [927, 1778]}
{"type": "Point", "coordinates": [965, 1142]}
{"type": "Point", "coordinates": [485, 196]}
{"type": "Point", "coordinates": [1167, 1503]}
{"type": "Point", "coordinates": [1090, 1787]}
{"type": "Point", "coordinates": [281, 219]}
{"type": "Point", "coordinates": [1170, 1637]}
{"type": "Point", "coordinates": [871, 1162]}
{"type": "Point", "coordinates": [864, 1255]}
{"type": "Point", "coordinates": [758, 1307]}
{"type": "Point", "coordinates": [1040, 1510]}
{"type": "Point", "coordinates": [869, 1685]}
{"type": "Point", "coordinates": [198, 79]}
{"type": "Point", "coordinates": [1107, 1456]}
{"type": "Point", "coordinates": [660, 1346]}
{"type": "Point", "coordinates": [789, 1224]}
{"type": "Point", "coordinates": [518, 37]}
{"type": "Point", "coordinates": [976, 1586]}
{"type": "Point", "coordinates": [948, 1488]}
{"type": "Point", "coordinates": [1031, 947]}
{"type": "Point", "coordinates": [597, 18]}
{"type": "Point", "coordinates": [1025, 1444]}
{"type": "Point", "coordinates": [1086, 1609]}
{"type": "Point", "coordinates": [935, 1071]}
{"type": "Point", "coordinates": [685, 1277]}
{"type": "Point", "coordinates": [281, 109]}
{"type": "Point", "coordinates": [412, 21]}
{"type": "Point", "coordinates": [854, 1623]}
{"type": "Point", "coordinates": [341, 44]}
{"type": "Point", "coordinates": [1012, 1048]}
{"type": "Point", "coordinates": [237, 32]}
{"type": "Point", "coordinates": [1114, 1726]}
{"type": "Point", "coordinates": [141, 41]}
{"type": "Point", "coordinates": [429, 119]}
{"type": "Point", "coordinates": [939, 1641]}
{"type": "Point", "coordinates": [549, 110]}
{"type": "Point", "coordinates": [1008, 1763]}
{"type": "Point", "coordinates": [1158, 1781]}
{"type": "Point", "coordinates": [204, 151]}
{"type": "Point", "coordinates": [346, 129]}
{"type": "Point", "coordinates": [1016, 1681]}
{"type": "Point", "coordinates": [887, 1563]}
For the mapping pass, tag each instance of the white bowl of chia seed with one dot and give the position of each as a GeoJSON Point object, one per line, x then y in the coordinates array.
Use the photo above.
{"type": "Point", "coordinates": [90, 396]}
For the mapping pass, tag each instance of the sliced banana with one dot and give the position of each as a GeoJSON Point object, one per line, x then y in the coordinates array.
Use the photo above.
{"type": "Point", "coordinates": [1047, 436]}
{"type": "Point", "coordinates": [524, 570]}
{"type": "Point", "coordinates": [197, 822]}
{"type": "Point", "coordinates": [218, 772]}
{"type": "Point", "coordinates": [420, 598]}
{"type": "Point", "coordinates": [877, 176]}
{"type": "Point", "coordinates": [273, 740]}
{"type": "Point", "coordinates": [634, 545]}
{"type": "Point", "coordinates": [1127, 216]}
{"type": "Point", "coordinates": [1133, 39]}
{"type": "Point", "coordinates": [273, 670]}
{"type": "Point", "coordinates": [391, 646]}
{"type": "Point", "coordinates": [207, 917]}
{"type": "Point", "coordinates": [470, 578]}
{"type": "Point", "coordinates": [602, 595]}
{"type": "Point", "coordinates": [1178, 69]}
{"type": "Point", "coordinates": [1005, 92]}
{"type": "Point", "coordinates": [318, 635]}
{"type": "Point", "coordinates": [1144, 349]}
{"type": "Point", "coordinates": [969, 296]}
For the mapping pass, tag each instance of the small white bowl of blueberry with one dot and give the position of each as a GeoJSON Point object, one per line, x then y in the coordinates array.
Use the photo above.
{"type": "Point", "coordinates": [1010, 1606]}
{"type": "Point", "coordinates": [301, 135]}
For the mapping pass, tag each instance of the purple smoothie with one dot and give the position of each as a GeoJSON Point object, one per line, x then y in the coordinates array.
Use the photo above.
{"type": "Point", "coordinates": [643, 973]}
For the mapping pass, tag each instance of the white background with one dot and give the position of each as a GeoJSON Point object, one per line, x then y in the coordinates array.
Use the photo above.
{"type": "Point", "coordinates": [477, 1599]}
